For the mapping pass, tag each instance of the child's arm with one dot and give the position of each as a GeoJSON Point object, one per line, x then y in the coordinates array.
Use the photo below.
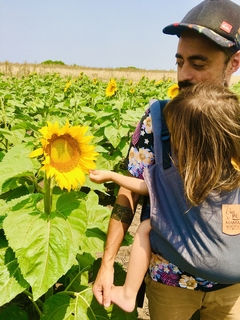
{"type": "Point", "coordinates": [133, 184]}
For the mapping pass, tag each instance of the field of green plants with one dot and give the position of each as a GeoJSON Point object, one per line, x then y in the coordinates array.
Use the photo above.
{"type": "Point", "coordinates": [51, 233]}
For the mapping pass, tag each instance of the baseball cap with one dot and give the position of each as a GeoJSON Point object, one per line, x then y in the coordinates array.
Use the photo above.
{"type": "Point", "coordinates": [219, 20]}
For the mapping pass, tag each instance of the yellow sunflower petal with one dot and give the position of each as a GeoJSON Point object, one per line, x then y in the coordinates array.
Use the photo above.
{"type": "Point", "coordinates": [173, 91]}
{"type": "Point", "coordinates": [36, 153]}
{"type": "Point", "coordinates": [111, 88]}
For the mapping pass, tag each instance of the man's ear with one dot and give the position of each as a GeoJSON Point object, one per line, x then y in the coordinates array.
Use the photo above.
{"type": "Point", "coordinates": [234, 63]}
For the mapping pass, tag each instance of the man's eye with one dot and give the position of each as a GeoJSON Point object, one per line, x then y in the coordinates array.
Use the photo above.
{"type": "Point", "coordinates": [198, 66]}
{"type": "Point", "coordinates": [179, 63]}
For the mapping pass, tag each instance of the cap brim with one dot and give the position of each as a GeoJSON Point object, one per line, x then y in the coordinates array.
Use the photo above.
{"type": "Point", "coordinates": [177, 28]}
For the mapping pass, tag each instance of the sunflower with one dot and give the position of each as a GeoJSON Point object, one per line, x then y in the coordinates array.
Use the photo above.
{"type": "Point", "coordinates": [132, 90]}
{"type": "Point", "coordinates": [67, 154]}
{"type": "Point", "coordinates": [173, 91]}
{"type": "Point", "coordinates": [111, 88]}
{"type": "Point", "coordinates": [67, 86]}
{"type": "Point", "coordinates": [159, 82]}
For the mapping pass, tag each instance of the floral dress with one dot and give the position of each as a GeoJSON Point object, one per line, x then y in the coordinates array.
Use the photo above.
{"type": "Point", "coordinates": [140, 156]}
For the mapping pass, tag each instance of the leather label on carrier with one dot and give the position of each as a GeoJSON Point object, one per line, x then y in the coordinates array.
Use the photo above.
{"type": "Point", "coordinates": [231, 219]}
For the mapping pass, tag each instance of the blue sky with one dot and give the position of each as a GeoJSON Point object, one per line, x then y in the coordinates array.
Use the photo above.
{"type": "Point", "coordinates": [91, 33]}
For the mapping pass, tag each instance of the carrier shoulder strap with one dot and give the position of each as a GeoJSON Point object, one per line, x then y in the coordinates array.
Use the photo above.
{"type": "Point", "coordinates": [158, 120]}
{"type": "Point", "coordinates": [162, 147]}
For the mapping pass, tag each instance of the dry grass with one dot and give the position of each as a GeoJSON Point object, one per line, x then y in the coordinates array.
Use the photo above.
{"type": "Point", "coordinates": [19, 70]}
{"type": "Point", "coordinates": [131, 73]}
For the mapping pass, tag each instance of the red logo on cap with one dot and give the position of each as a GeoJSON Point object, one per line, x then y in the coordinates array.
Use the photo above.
{"type": "Point", "coordinates": [225, 26]}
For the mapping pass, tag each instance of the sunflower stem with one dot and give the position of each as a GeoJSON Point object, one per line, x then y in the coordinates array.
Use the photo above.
{"type": "Point", "coordinates": [35, 303]}
{"type": "Point", "coordinates": [4, 120]}
{"type": "Point", "coordinates": [47, 195]}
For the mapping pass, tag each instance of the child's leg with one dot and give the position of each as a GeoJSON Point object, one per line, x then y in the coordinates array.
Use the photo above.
{"type": "Point", "coordinates": [125, 296]}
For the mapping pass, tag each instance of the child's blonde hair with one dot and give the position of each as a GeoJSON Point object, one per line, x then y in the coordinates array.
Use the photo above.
{"type": "Point", "coordinates": [204, 125]}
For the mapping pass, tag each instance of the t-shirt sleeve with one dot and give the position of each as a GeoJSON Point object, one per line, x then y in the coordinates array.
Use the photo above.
{"type": "Point", "coordinates": [140, 153]}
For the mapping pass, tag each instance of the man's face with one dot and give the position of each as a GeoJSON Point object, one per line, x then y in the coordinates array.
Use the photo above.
{"type": "Point", "coordinates": [198, 59]}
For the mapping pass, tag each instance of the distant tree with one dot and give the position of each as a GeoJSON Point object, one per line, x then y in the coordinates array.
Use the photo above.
{"type": "Point", "coordinates": [53, 62]}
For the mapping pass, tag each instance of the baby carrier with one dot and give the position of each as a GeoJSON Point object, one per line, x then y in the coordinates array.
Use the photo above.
{"type": "Point", "coordinates": [191, 237]}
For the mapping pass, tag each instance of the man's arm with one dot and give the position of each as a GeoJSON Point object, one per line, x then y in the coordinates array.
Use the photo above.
{"type": "Point", "coordinates": [123, 212]}
{"type": "Point", "coordinates": [121, 218]}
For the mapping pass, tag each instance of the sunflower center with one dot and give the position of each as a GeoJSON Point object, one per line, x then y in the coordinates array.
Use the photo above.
{"type": "Point", "coordinates": [64, 152]}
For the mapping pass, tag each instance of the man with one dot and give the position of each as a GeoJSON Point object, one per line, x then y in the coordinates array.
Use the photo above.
{"type": "Point", "coordinates": [208, 50]}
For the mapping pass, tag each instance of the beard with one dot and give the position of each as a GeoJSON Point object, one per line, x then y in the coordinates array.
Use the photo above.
{"type": "Point", "coordinates": [184, 84]}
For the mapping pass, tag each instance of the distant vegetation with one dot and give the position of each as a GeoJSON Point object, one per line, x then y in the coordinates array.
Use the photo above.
{"type": "Point", "coordinates": [130, 68]}
{"type": "Point", "coordinates": [54, 66]}
{"type": "Point", "coordinates": [53, 62]}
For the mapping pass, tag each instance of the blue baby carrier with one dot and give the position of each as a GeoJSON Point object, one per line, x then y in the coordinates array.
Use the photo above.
{"type": "Point", "coordinates": [200, 240]}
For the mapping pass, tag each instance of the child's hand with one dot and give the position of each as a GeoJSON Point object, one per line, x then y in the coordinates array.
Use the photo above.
{"type": "Point", "coordinates": [100, 176]}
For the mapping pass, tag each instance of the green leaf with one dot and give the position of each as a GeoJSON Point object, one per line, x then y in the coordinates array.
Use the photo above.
{"type": "Point", "coordinates": [14, 169]}
{"type": "Point", "coordinates": [88, 110]}
{"type": "Point", "coordinates": [17, 152]}
{"type": "Point", "coordinates": [102, 114]}
{"type": "Point", "coordinates": [6, 133]}
{"type": "Point", "coordinates": [84, 260]}
{"type": "Point", "coordinates": [17, 136]}
{"type": "Point", "coordinates": [42, 90]}
{"type": "Point", "coordinates": [114, 311]}
{"type": "Point", "coordinates": [62, 306]}
{"type": "Point", "coordinates": [112, 134]}
{"type": "Point", "coordinates": [119, 272]}
{"type": "Point", "coordinates": [78, 275]}
{"type": "Point", "coordinates": [4, 207]}
{"type": "Point", "coordinates": [94, 241]}
{"type": "Point", "coordinates": [97, 215]}
{"type": "Point", "coordinates": [119, 314]}
{"type": "Point", "coordinates": [97, 224]}
{"type": "Point", "coordinates": [104, 162]}
{"type": "Point", "coordinates": [17, 184]}
{"type": "Point", "coordinates": [95, 186]}
{"type": "Point", "coordinates": [100, 149]}
{"type": "Point", "coordinates": [83, 306]}
{"type": "Point", "coordinates": [16, 163]}
{"type": "Point", "coordinates": [45, 246]}
{"type": "Point", "coordinates": [123, 131]}
{"type": "Point", "coordinates": [13, 312]}
{"type": "Point", "coordinates": [12, 282]}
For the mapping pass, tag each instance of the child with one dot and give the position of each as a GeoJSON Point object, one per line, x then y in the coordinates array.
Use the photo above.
{"type": "Point", "coordinates": [204, 125]}
{"type": "Point", "coordinates": [125, 296]}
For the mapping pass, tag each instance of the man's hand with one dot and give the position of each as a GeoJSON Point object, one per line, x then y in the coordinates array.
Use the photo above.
{"type": "Point", "coordinates": [102, 286]}
{"type": "Point", "coordinates": [121, 218]}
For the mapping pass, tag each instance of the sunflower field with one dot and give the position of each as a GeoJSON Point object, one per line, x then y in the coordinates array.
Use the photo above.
{"type": "Point", "coordinates": [53, 218]}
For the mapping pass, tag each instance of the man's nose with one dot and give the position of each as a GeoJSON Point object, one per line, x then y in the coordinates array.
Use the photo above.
{"type": "Point", "coordinates": [185, 73]}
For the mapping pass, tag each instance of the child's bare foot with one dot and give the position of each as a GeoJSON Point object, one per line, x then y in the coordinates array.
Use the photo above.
{"type": "Point", "coordinates": [122, 299]}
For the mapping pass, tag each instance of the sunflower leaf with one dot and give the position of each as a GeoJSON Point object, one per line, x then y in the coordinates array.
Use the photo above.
{"type": "Point", "coordinates": [12, 282]}
{"type": "Point", "coordinates": [16, 164]}
{"type": "Point", "coordinates": [45, 246]}
{"type": "Point", "coordinates": [17, 136]}
{"type": "Point", "coordinates": [9, 171]}
{"type": "Point", "coordinates": [112, 134]}
{"type": "Point", "coordinates": [82, 306]}
{"type": "Point", "coordinates": [13, 312]}
{"type": "Point", "coordinates": [98, 217]}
